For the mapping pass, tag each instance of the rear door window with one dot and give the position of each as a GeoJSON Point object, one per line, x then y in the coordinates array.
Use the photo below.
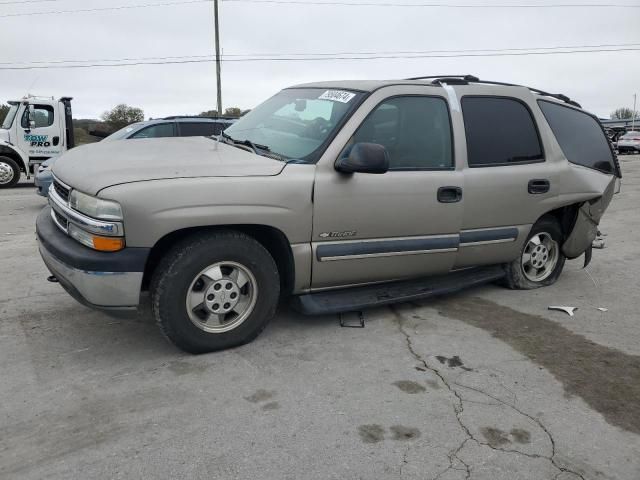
{"type": "Point", "coordinates": [156, 131]}
{"type": "Point", "coordinates": [199, 129]}
{"type": "Point", "coordinates": [500, 131]}
{"type": "Point", "coordinates": [580, 136]}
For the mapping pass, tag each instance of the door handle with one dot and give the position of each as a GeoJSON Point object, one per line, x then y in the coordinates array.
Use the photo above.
{"type": "Point", "coordinates": [449, 194]}
{"type": "Point", "coordinates": [538, 185]}
{"type": "Point", "coordinates": [56, 140]}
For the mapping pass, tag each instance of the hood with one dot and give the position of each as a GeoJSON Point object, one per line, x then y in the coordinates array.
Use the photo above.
{"type": "Point", "coordinates": [4, 135]}
{"type": "Point", "coordinates": [90, 168]}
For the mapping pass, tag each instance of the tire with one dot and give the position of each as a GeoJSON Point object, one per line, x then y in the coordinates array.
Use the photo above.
{"type": "Point", "coordinates": [9, 172]}
{"type": "Point", "coordinates": [194, 311]}
{"type": "Point", "coordinates": [522, 273]}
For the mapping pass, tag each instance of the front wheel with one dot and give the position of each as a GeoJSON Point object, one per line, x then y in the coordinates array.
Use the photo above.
{"type": "Point", "coordinates": [541, 259]}
{"type": "Point", "coordinates": [9, 172]}
{"type": "Point", "coordinates": [215, 291]}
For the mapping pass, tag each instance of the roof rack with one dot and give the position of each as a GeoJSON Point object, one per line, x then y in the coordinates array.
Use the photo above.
{"type": "Point", "coordinates": [461, 79]}
{"type": "Point", "coordinates": [175, 117]}
{"type": "Point", "coordinates": [466, 79]}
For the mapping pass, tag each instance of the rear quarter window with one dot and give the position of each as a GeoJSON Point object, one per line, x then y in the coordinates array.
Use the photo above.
{"type": "Point", "coordinates": [580, 136]}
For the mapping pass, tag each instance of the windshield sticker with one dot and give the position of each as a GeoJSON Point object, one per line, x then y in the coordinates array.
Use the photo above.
{"type": "Point", "coordinates": [337, 96]}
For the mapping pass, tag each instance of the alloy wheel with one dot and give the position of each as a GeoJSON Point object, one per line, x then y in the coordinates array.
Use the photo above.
{"type": "Point", "coordinates": [221, 297]}
{"type": "Point", "coordinates": [540, 257]}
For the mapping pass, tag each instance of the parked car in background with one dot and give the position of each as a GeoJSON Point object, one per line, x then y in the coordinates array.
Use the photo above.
{"type": "Point", "coordinates": [629, 142]}
{"type": "Point", "coordinates": [165, 127]}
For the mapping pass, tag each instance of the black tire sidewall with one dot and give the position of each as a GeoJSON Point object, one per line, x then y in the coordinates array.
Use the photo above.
{"type": "Point", "coordinates": [187, 261]}
{"type": "Point", "coordinates": [16, 171]}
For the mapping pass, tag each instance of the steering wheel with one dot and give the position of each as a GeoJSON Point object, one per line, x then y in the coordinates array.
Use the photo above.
{"type": "Point", "coordinates": [318, 128]}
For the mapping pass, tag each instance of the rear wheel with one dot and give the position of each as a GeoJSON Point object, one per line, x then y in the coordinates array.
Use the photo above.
{"type": "Point", "coordinates": [9, 172]}
{"type": "Point", "coordinates": [541, 260]}
{"type": "Point", "coordinates": [215, 291]}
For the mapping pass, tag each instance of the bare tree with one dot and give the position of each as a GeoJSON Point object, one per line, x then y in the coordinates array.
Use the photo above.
{"type": "Point", "coordinates": [122, 115]}
{"type": "Point", "coordinates": [624, 113]}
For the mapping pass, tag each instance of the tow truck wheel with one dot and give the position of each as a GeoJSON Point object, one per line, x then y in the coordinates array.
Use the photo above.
{"type": "Point", "coordinates": [541, 260]}
{"type": "Point", "coordinates": [9, 172]}
{"type": "Point", "coordinates": [215, 290]}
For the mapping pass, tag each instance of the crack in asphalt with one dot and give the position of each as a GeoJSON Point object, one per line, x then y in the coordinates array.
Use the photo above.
{"type": "Point", "coordinates": [404, 459]}
{"type": "Point", "coordinates": [458, 408]}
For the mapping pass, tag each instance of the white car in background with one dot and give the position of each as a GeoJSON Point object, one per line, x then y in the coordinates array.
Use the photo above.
{"type": "Point", "coordinates": [629, 142]}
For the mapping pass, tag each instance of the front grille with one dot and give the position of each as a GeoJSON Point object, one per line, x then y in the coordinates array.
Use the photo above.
{"type": "Point", "coordinates": [62, 191]}
{"type": "Point", "coordinates": [62, 221]}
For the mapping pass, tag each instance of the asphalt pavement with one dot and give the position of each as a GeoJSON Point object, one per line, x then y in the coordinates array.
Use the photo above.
{"type": "Point", "coordinates": [486, 384]}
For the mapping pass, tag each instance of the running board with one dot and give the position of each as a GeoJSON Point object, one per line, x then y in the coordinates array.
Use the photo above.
{"type": "Point", "coordinates": [359, 298]}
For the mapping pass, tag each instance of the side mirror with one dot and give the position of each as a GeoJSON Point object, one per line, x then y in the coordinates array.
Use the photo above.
{"type": "Point", "coordinates": [32, 117]}
{"type": "Point", "coordinates": [364, 158]}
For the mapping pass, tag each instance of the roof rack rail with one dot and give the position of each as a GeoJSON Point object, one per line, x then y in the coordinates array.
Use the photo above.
{"type": "Point", "coordinates": [466, 79]}
{"type": "Point", "coordinates": [175, 117]}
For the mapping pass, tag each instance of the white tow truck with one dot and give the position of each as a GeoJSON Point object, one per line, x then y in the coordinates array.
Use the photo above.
{"type": "Point", "coordinates": [34, 130]}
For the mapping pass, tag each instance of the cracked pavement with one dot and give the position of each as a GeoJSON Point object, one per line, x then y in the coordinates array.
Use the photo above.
{"type": "Point", "coordinates": [486, 384]}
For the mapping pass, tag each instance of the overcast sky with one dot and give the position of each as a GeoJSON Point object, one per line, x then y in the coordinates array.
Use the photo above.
{"type": "Point", "coordinates": [600, 81]}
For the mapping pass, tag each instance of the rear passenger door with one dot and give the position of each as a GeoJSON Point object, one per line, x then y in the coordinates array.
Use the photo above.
{"type": "Point", "coordinates": [507, 179]}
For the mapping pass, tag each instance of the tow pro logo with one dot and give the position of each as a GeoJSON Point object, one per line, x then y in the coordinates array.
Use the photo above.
{"type": "Point", "coordinates": [37, 140]}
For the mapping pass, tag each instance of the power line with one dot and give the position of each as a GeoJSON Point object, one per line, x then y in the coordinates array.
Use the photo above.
{"type": "Point", "coordinates": [311, 59]}
{"type": "Point", "coordinates": [13, 2]}
{"type": "Point", "coordinates": [303, 2]}
{"type": "Point", "coordinates": [439, 5]}
{"type": "Point", "coordinates": [327, 54]}
{"type": "Point", "coordinates": [104, 9]}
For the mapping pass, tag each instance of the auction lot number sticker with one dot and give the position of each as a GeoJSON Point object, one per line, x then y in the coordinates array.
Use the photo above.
{"type": "Point", "coordinates": [337, 96]}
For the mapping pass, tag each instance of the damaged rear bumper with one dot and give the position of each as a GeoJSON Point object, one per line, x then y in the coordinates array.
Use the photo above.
{"type": "Point", "coordinates": [585, 228]}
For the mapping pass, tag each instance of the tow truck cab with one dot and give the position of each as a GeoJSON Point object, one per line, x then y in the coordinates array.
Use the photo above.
{"type": "Point", "coordinates": [34, 130]}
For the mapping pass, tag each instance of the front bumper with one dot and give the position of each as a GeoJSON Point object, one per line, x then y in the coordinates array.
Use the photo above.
{"type": "Point", "coordinates": [101, 280]}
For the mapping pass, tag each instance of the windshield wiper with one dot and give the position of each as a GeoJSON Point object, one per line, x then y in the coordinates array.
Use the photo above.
{"type": "Point", "coordinates": [246, 143]}
{"type": "Point", "coordinates": [257, 148]}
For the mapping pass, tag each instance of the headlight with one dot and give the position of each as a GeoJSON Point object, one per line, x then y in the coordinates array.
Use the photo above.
{"type": "Point", "coordinates": [104, 244]}
{"type": "Point", "coordinates": [95, 207]}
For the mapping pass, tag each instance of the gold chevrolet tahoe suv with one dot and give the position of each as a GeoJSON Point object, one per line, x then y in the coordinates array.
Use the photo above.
{"type": "Point", "coordinates": [335, 195]}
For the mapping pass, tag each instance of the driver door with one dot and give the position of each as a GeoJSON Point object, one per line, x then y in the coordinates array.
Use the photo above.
{"type": "Point", "coordinates": [403, 223]}
{"type": "Point", "coordinates": [44, 140]}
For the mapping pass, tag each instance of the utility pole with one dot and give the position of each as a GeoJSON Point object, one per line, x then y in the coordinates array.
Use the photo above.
{"type": "Point", "coordinates": [633, 114]}
{"type": "Point", "coordinates": [215, 19]}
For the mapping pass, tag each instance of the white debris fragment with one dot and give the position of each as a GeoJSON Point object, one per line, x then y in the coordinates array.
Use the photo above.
{"type": "Point", "coordinates": [602, 309]}
{"type": "Point", "coordinates": [568, 310]}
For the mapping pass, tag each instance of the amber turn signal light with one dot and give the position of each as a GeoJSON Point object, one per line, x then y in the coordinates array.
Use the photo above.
{"type": "Point", "coordinates": [108, 244]}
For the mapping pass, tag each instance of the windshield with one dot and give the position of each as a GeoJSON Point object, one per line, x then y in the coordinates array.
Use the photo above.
{"type": "Point", "coordinates": [11, 114]}
{"type": "Point", "coordinates": [297, 122]}
{"type": "Point", "coordinates": [123, 132]}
